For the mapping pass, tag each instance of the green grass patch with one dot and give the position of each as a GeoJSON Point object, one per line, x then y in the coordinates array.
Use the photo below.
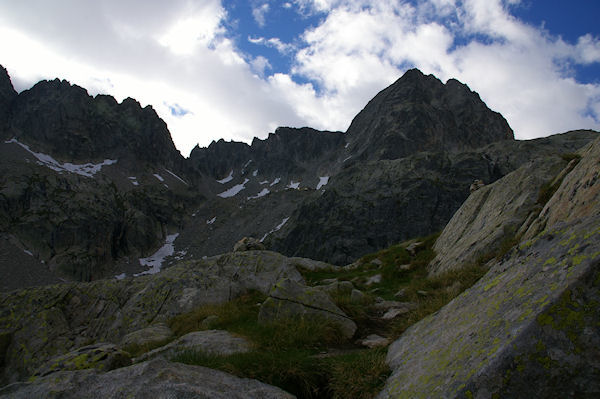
{"type": "Point", "coordinates": [358, 374]}
{"type": "Point", "coordinates": [240, 317]}
{"type": "Point", "coordinates": [439, 291]}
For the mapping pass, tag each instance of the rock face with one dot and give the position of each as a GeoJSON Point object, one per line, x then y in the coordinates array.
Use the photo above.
{"type": "Point", "coordinates": [289, 299]}
{"type": "Point", "coordinates": [528, 328]}
{"type": "Point", "coordinates": [152, 379]}
{"type": "Point", "coordinates": [491, 214]}
{"type": "Point", "coordinates": [420, 113]}
{"type": "Point", "coordinates": [63, 120]}
{"type": "Point", "coordinates": [102, 356]}
{"type": "Point", "coordinates": [39, 323]}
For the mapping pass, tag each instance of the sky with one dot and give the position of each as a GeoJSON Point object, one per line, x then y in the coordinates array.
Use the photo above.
{"type": "Point", "coordinates": [239, 69]}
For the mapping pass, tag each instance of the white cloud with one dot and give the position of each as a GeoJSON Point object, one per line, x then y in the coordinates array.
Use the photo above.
{"type": "Point", "coordinates": [274, 42]}
{"type": "Point", "coordinates": [519, 70]}
{"type": "Point", "coordinates": [181, 53]}
{"type": "Point", "coordinates": [259, 13]}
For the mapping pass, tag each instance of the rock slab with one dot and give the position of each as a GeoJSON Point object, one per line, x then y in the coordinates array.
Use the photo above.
{"type": "Point", "coordinates": [157, 378]}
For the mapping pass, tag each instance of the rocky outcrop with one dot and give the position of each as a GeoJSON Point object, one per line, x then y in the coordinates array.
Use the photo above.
{"type": "Point", "coordinates": [152, 379]}
{"type": "Point", "coordinates": [7, 95]}
{"type": "Point", "coordinates": [101, 356]}
{"type": "Point", "coordinates": [289, 299]}
{"type": "Point", "coordinates": [491, 214]}
{"type": "Point", "coordinates": [214, 342]}
{"type": "Point", "coordinates": [420, 113]}
{"type": "Point", "coordinates": [248, 244]}
{"type": "Point", "coordinates": [149, 336]}
{"type": "Point", "coordinates": [528, 328]}
{"type": "Point", "coordinates": [579, 193]}
{"type": "Point", "coordinates": [43, 322]}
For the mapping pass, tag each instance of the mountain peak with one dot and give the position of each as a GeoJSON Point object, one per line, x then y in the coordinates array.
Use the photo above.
{"type": "Point", "coordinates": [420, 113]}
{"type": "Point", "coordinates": [7, 95]}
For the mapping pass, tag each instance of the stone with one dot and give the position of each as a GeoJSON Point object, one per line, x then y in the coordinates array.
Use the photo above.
{"type": "Point", "coordinates": [374, 341]}
{"type": "Point", "coordinates": [376, 279]}
{"type": "Point", "coordinates": [395, 312]}
{"type": "Point", "coordinates": [156, 378]}
{"type": "Point", "coordinates": [148, 336]}
{"type": "Point", "coordinates": [337, 287]}
{"type": "Point", "coordinates": [356, 296]}
{"type": "Point", "coordinates": [385, 305]}
{"type": "Point", "coordinates": [290, 299]}
{"type": "Point", "coordinates": [214, 342]}
{"type": "Point", "coordinates": [248, 244]}
{"type": "Point", "coordinates": [422, 293]}
{"type": "Point", "coordinates": [412, 248]}
{"type": "Point", "coordinates": [101, 356]}
{"type": "Point", "coordinates": [405, 267]}
{"type": "Point", "coordinates": [400, 294]}
{"type": "Point", "coordinates": [477, 184]}
{"type": "Point", "coordinates": [377, 262]}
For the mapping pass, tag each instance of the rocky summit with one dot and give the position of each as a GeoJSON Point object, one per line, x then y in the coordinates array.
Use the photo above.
{"type": "Point", "coordinates": [422, 253]}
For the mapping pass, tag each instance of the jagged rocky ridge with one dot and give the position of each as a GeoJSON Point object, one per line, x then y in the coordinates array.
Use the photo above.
{"type": "Point", "coordinates": [401, 170]}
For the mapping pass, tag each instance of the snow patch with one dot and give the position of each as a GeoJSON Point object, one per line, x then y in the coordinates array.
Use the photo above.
{"type": "Point", "coordinates": [263, 182]}
{"type": "Point", "coordinates": [226, 179]}
{"type": "Point", "coordinates": [347, 159]}
{"type": "Point", "coordinates": [278, 227]}
{"type": "Point", "coordinates": [121, 276]}
{"type": "Point", "coordinates": [264, 192]}
{"type": "Point", "coordinates": [155, 261]}
{"type": "Point", "coordinates": [234, 190]}
{"type": "Point", "coordinates": [276, 181]}
{"type": "Point", "coordinates": [177, 177]}
{"type": "Point", "coordinates": [159, 177]}
{"type": "Point", "coordinates": [134, 180]}
{"type": "Point", "coordinates": [323, 180]}
{"type": "Point", "coordinates": [211, 221]}
{"type": "Point", "coordinates": [294, 185]}
{"type": "Point", "coordinates": [347, 144]}
{"type": "Point", "coordinates": [255, 173]}
{"type": "Point", "coordinates": [87, 170]}
{"type": "Point", "coordinates": [28, 252]}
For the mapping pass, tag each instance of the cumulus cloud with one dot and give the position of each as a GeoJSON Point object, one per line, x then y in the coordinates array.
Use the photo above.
{"type": "Point", "coordinates": [183, 58]}
{"type": "Point", "coordinates": [519, 70]}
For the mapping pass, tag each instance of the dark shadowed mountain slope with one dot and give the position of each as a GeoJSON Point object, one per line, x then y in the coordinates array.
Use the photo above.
{"type": "Point", "coordinates": [7, 95]}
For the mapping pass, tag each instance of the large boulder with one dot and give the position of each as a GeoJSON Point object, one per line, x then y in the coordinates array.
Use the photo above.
{"type": "Point", "coordinates": [149, 336]}
{"type": "Point", "coordinates": [290, 299]}
{"type": "Point", "coordinates": [157, 378]}
{"type": "Point", "coordinates": [215, 342]}
{"type": "Point", "coordinates": [491, 214]}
